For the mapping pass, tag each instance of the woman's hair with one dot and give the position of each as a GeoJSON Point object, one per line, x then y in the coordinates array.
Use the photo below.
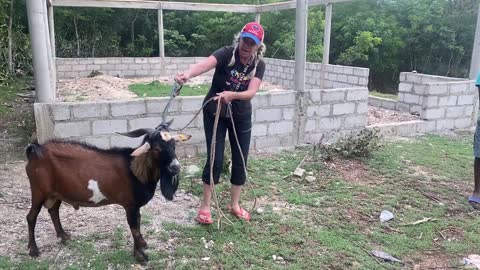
{"type": "Point", "coordinates": [257, 57]}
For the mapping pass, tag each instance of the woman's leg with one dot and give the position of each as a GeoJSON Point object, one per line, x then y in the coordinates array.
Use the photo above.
{"type": "Point", "coordinates": [238, 178]}
{"type": "Point", "coordinates": [208, 122]}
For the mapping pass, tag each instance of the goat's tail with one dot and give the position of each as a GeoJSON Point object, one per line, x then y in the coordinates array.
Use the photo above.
{"type": "Point", "coordinates": [33, 150]}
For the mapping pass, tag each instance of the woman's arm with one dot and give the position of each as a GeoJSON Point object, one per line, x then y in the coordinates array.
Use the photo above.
{"type": "Point", "coordinates": [253, 86]}
{"type": "Point", "coordinates": [196, 69]}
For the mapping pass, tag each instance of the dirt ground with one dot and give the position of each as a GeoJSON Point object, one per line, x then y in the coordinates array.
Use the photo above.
{"type": "Point", "coordinates": [15, 204]}
{"type": "Point", "coordinates": [106, 87]}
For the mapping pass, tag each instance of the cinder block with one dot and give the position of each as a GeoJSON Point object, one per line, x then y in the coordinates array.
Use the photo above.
{"type": "Point", "coordinates": [430, 101]}
{"type": "Point", "coordinates": [419, 89]}
{"type": "Point", "coordinates": [141, 60]}
{"type": "Point", "coordinates": [85, 61]}
{"type": "Point", "coordinates": [342, 78]}
{"type": "Point", "coordinates": [141, 72]}
{"type": "Point", "coordinates": [72, 129]}
{"type": "Point", "coordinates": [128, 108]}
{"type": "Point", "coordinates": [405, 87]}
{"type": "Point", "coordinates": [434, 113]}
{"type": "Point", "coordinates": [180, 121]}
{"type": "Point", "coordinates": [315, 95]}
{"type": "Point", "coordinates": [456, 88]}
{"type": "Point", "coordinates": [280, 128]}
{"type": "Point", "coordinates": [134, 67]}
{"type": "Point", "coordinates": [260, 100]}
{"type": "Point", "coordinates": [191, 103]}
{"type": "Point", "coordinates": [348, 70]}
{"type": "Point", "coordinates": [355, 121]}
{"type": "Point", "coordinates": [124, 141]}
{"type": "Point", "coordinates": [454, 112]}
{"type": "Point", "coordinates": [362, 107]}
{"type": "Point", "coordinates": [412, 99]}
{"type": "Point", "coordinates": [64, 68]}
{"type": "Point", "coordinates": [353, 80]}
{"type": "Point", "coordinates": [343, 108]}
{"type": "Point", "coordinates": [94, 67]}
{"type": "Point", "coordinates": [288, 113]}
{"type": "Point", "coordinates": [363, 81]}
{"type": "Point", "coordinates": [357, 94]}
{"type": "Point", "coordinates": [89, 110]}
{"type": "Point", "coordinates": [128, 60]}
{"type": "Point", "coordinates": [447, 101]}
{"type": "Point", "coordinates": [284, 98]}
{"type": "Point", "coordinates": [403, 76]}
{"type": "Point", "coordinates": [318, 110]}
{"type": "Point", "coordinates": [436, 89]}
{"type": "Point", "coordinates": [98, 141]}
{"type": "Point", "coordinates": [468, 110]}
{"type": "Point", "coordinates": [466, 100]}
{"type": "Point", "coordinates": [106, 67]}
{"type": "Point", "coordinates": [310, 125]}
{"type": "Point", "coordinates": [444, 124]}
{"type": "Point", "coordinates": [144, 122]}
{"type": "Point", "coordinates": [267, 142]}
{"type": "Point", "coordinates": [108, 126]}
{"type": "Point", "coordinates": [100, 61]}
{"type": "Point", "coordinates": [329, 123]}
{"type": "Point", "coordinates": [333, 95]}
{"type": "Point", "coordinates": [361, 72]}
{"type": "Point", "coordinates": [79, 68]}
{"type": "Point", "coordinates": [259, 130]}
{"type": "Point", "coordinates": [60, 111]}
{"type": "Point", "coordinates": [268, 115]}
{"type": "Point", "coordinates": [464, 123]}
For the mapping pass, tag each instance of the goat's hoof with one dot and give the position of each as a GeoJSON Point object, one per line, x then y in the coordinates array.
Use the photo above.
{"type": "Point", "coordinates": [34, 252]}
{"type": "Point", "coordinates": [140, 256]}
{"type": "Point", "coordinates": [65, 237]}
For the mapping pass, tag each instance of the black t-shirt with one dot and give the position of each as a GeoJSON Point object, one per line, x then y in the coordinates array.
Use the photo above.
{"type": "Point", "coordinates": [234, 78]}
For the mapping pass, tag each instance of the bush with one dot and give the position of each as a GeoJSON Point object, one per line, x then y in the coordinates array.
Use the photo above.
{"type": "Point", "coordinates": [351, 146]}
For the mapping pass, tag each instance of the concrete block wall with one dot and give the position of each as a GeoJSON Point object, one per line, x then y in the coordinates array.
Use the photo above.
{"type": "Point", "coordinates": [273, 118]}
{"type": "Point", "coordinates": [123, 66]}
{"type": "Point", "coordinates": [449, 103]}
{"type": "Point", "coordinates": [278, 71]}
{"type": "Point", "coordinates": [333, 110]}
{"type": "Point", "coordinates": [282, 72]}
{"type": "Point", "coordinates": [386, 103]}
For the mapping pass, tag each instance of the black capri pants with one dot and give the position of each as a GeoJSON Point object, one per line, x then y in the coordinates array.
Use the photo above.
{"type": "Point", "coordinates": [243, 127]}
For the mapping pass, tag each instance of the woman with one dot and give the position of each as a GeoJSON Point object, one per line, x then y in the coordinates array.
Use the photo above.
{"type": "Point", "coordinates": [238, 73]}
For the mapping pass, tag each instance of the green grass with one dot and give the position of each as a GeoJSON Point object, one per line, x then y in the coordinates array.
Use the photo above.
{"type": "Point", "coordinates": [157, 89]}
{"type": "Point", "coordinates": [383, 95]}
{"type": "Point", "coordinates": [331, 223]}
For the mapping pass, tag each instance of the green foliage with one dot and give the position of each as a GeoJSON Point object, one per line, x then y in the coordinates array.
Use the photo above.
{"type": "Point", "coordinates": [158, 89]}
{"type": "Point", "coordinates": [365, 42]}
{"type": "Point", "coordinates": [355, 145]}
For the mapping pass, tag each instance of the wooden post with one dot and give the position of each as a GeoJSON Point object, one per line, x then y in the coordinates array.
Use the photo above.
{"type": "Point", "coordinates": [475, 63]}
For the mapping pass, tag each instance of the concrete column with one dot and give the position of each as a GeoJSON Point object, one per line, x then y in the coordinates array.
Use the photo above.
{"type": "Point", "coordinates": [50, 44]}
{"type": "Point", "coordinates": [301, 17]}
{"type": "Point", "coordinates": [161, 42]}
{"type": "Point", "coordinates": [36, 10]}
{"type": "Point", "coordinates": [326, 36]}
{"type": "Point", "coordinates": [257, 18]}
{"type": "Point", "coordinates": [475, 63]}
{"type": "Point", "coordinates": [51, 28]}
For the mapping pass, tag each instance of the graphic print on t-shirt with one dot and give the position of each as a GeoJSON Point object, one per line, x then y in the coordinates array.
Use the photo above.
{"type": "Point", "coordinates": [237, 79]}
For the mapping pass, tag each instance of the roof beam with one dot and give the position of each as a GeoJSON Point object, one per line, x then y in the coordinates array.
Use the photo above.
{"type": "Point", "coordinates": [292, 5]}
{"type": "Point", "coordinates": [209, 7]}
{"type": "Point", "coordinates": [108, 4]}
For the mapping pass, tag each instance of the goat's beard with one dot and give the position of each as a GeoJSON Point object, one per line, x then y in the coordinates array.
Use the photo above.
{"type": "Point", "coordinates": [169, 185]}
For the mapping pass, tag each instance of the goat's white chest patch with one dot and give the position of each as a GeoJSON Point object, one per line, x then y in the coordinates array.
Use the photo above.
{"type": "Point", "coordinates": [97, 194]}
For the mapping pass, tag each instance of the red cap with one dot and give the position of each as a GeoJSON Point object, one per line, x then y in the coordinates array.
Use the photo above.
{"type": "Point", "coordinates": [254, 31]}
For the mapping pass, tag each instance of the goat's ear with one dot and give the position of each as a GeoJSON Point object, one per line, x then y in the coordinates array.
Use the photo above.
{"type": "Point", "coordinates": [141, 150]}
{"type": "Point", "coordinates": [182, 137]}
{"type": "Point", "coordinates": [136, 133]}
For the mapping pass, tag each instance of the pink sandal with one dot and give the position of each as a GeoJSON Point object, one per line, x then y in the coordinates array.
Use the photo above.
{"type": "Point", "coordinates": [204, 217]}
{"type": "Point", "coordinates": [241, 214]}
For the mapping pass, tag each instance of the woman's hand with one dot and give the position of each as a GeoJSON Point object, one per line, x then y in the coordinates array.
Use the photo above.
{"type": "Point", "coordinates": [226, 96]}
{"type": "Point", "coordinates": [182, 78]}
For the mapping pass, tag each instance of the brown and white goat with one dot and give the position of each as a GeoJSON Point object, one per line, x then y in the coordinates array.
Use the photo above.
{"type": "Point", "coordinates": [83, 175]}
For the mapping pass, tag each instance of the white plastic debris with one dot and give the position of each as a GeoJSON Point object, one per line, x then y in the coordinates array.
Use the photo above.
{"type": "Point", "coordinates": [205, 259]}
{"type": "Point", "coordinates": [299, 172]}
{"type": "Point", "coordinates": [385, 256]}
{"type": "Point", "coordinates": [386, 216]}
{"type": "Point", "coordinates": [310, 179]}
{"type": "Point", "coordinates": [472, 259]}
{"type": "Point", "coordinates": [260, 210]}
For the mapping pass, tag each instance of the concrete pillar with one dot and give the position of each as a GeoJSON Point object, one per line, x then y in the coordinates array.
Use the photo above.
{"type": "Point", "coordinates": [301, 17]}
{"type": "Point", "coordinates": [475, 63]}
{"type": "Point", "coordinates": [326, 42]}
{"type": "Point", "coordinates": [161, 42]}
{"type": "Point", "coordinates": [327, 33]}
{"type": "Point", "coordinates": [257, 18]}
{"type": "Point", "coordinates": [36, 10]}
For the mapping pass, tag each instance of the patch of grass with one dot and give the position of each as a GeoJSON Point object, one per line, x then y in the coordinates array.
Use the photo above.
{"type": "Point", "coordinates": [383, 95]}
{"type": "Point", "coordinates": [158, 89]}
{"type": "Point", "coordinates": [29, 264]}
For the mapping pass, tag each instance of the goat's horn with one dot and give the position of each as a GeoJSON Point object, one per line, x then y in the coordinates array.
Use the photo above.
{"type": "Point", "coordinates": [140, 150]}
{"type": "Point", "coordinates": [136, 133]}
